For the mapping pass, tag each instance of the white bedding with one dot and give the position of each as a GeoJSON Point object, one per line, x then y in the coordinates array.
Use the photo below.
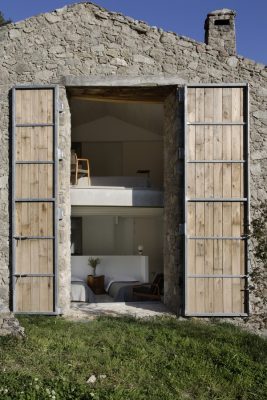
{"type": "Point", "coordinates": [80, 291]}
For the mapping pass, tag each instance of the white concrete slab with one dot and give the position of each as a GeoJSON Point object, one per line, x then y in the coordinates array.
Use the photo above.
{"type": "Point", "coordinates": [116, 196]}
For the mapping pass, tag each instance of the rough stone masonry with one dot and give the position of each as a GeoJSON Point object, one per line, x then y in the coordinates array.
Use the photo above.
{"type": "Point", "coordinates": [84, 44]}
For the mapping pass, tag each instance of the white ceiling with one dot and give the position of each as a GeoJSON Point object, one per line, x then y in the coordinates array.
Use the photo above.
{"type": "Point", "coordinates": [145, 115]}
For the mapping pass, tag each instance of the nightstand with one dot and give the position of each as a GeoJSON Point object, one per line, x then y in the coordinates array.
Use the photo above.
{"type": "Point", "coordinates": [96, 283]}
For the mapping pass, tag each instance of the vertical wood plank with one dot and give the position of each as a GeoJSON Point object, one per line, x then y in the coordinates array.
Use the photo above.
{"type": "Point", "coordinates": [208, 193]}
{"type": "Point", "coordinates": [49, 172]}
{"type": "Point", "coordinates": [217, 207]}
{"type": "Point", "coordinates": [200, 192]}
{"type": "Point", "coordinates": [191, 257]}
{"type": "Point", "coordinates": [236, 192]}
{"type": "Point", "coordinates": [191, 209]}
{"type": "Point", "coordinates": [227, 192]}
{"type": "Point", "coordinates": [26, 212]}
{"type": "Point", "coordinates": [43, 115]}
{"type": "Point", "coordinates": [34, 218]}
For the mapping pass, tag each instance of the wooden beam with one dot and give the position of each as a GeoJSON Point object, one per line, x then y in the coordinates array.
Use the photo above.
{"type": "Point", "coordinates": [121, 95]}
{"type": "Point", "coordinates": [114, 100]}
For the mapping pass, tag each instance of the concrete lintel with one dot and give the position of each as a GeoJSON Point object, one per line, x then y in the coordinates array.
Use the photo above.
{"type": "Point", "coordinates": [96, 80]}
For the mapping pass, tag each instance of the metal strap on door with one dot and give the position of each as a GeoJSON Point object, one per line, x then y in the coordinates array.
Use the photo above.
{"type": "Point", "coordinates": [34, 199]}
{"type": "Point", "coordinates": [216, 199]}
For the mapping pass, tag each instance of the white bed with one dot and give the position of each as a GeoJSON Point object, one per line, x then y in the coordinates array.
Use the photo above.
{"type": "Point", "coordinates": [80, 291]}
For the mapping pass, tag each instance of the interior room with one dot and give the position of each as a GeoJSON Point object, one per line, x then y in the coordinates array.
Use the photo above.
{"type": "Point", "coordinates": [116, 151]}
{"type": "Point", "coordinates": [128, 244]}
{"type": "Point", "coordinates": [123, 142]}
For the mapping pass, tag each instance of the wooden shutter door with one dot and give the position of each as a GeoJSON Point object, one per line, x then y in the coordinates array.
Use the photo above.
{"type": "Point", "coordinates": [34, 195]}
{"type": "Point", "coordinates": [216, 206]}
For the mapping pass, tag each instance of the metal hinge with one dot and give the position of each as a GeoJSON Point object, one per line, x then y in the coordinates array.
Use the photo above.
{"type": "Point", "coordinates": [180, 94]}
{"type": "Point", "coordinates": [181, 229]}
{"type": "Point", "coordinates": [181, 153]}
{"type": "Point", "coordinates": [60, 154]}
{"type": "Point", "coordinates": [60, 214]}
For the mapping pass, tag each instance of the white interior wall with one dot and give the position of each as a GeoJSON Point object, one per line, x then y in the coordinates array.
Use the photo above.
{"type": "Point", "coordinates": [105, 158]}
{"type": "Point", "coordinates": [110, 235]}
{"type": "Point", "coordinates": [98, 235]}
{"type": "Point", "coordinates": [149, 233]}
{"type": "Point", "coordinates": [144, 156]}
{"type": "Point", "coordinates": [124, 236]}
{"type": "Point", "coordinates": [125, 159]}
{"type": "Point", "coordinates": [111, 266]}
{"type": "Point", "coordinates": [117, 148]}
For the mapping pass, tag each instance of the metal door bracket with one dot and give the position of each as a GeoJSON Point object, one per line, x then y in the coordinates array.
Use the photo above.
{"type": "Point", "coordinates": [181, 94]}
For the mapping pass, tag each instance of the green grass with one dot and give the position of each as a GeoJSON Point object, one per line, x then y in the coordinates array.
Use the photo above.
{"type": "Point", "coordinates": [156, 359]}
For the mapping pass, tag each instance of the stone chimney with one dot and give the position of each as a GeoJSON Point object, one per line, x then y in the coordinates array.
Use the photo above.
{"type": "Point", "coordinates": [220, 30]}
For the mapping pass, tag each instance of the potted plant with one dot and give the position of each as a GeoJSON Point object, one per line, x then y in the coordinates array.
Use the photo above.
{"type": "Point", "coordinates": [93, 262]}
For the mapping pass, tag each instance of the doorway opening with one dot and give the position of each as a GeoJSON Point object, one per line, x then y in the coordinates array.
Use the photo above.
{"type": "Point", "coordinates": [117, 207]}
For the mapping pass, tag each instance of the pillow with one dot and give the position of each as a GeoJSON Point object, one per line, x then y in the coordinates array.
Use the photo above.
{"type": "Point", "coordinates": [107, 279]}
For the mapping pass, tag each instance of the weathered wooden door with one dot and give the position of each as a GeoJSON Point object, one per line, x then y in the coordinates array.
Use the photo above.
{"type": "Point", "coordinates": [217, 195]}
{"type": "Point", "coordinates": [34, 199]}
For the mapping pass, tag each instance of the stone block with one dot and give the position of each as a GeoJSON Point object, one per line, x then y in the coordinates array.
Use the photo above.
{"type": "Point", "coordinates": [232, 61]}
{"type": "Point", "coordinates": [139, 58]}
{"type": "Point", "coordinates": [262, 115]}
{"type": "Point", "coordinates": [118, 62]}
{"type": "Point", "coordinates": [52, 18]}
{"type": "Point", "coordinates": [14, 34]}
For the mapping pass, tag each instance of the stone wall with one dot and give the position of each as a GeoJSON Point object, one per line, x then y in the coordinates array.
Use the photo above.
{"type": "Point", "coordinates": [4, 199]}
{"type": "Point", "coordinates": [173, 204]}
{"type": "Point", "coordinates": [85, 43]}
{"type": "Point", "coordinates": [64, 271]}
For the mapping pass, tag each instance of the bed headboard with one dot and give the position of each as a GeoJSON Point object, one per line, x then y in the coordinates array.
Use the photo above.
{"type": "Point", "coordinates": [113, 266]}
